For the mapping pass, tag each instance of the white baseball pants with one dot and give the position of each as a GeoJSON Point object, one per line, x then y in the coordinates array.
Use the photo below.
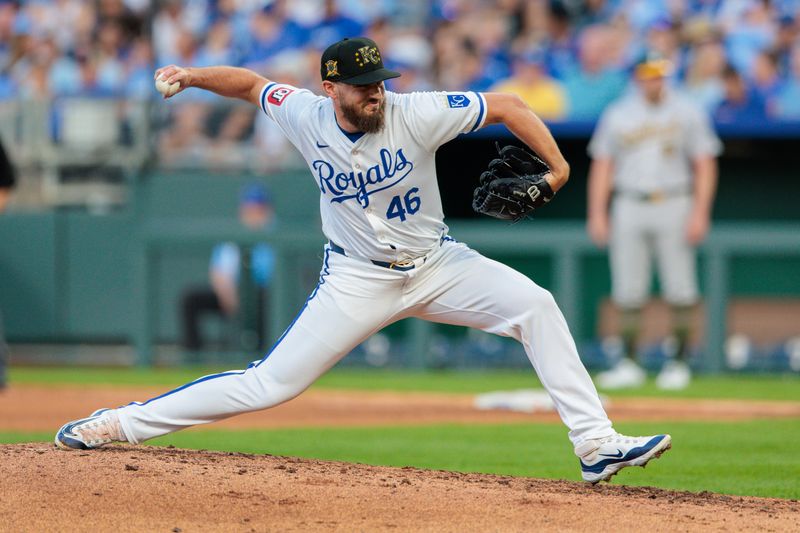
{"type": "Point", "coordinates": [355, 299]}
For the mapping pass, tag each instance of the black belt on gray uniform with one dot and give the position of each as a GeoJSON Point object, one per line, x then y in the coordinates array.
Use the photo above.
{"type": "Point", "coordinates": [401, 266]}
{"type": "Point", "coordinates": [652, 196]}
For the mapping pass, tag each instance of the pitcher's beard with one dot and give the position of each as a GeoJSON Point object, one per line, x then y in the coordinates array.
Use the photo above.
{"type": "Point", "coordinates": [366, 122]}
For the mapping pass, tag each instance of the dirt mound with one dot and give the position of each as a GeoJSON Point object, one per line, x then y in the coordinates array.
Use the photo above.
{"type": "Point", "coordinates": [126, 488]}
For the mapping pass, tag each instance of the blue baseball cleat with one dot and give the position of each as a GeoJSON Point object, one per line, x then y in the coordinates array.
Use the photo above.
{"type": "Point", "coordinates": [602, 458]}
{"type": "Point", "coordinates": [100, 428]}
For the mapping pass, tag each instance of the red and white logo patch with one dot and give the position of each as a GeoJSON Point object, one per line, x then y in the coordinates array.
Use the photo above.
{"type": "Point", "coordinates": [277, 96]}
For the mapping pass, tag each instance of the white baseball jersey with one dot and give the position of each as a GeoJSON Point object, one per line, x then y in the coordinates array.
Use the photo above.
{"type": "Point", "coordinates": [380, 201]}
{"type": "Point", "coordinates": [379, 197]}
{"type": "Point", "coordinates": [653, 146]}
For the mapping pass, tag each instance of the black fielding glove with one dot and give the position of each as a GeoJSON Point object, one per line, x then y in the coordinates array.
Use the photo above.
{"type": "Point", "coordinates": [513, 186]}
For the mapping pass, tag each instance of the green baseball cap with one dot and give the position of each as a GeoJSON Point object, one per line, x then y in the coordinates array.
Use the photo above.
{"type": "Point", "coordinates": [354, 61]}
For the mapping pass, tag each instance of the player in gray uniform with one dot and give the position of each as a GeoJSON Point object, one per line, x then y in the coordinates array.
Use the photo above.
{"type": "Point", "coordinates": [372, 153]}
{"type": "Point", "coordinates": [654, 152]}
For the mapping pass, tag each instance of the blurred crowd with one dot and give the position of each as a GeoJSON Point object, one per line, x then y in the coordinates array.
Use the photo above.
{"type": "Point", "coordinates": [567, 58]}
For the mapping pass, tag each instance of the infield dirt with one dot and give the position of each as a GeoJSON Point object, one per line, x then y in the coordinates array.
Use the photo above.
{"type": "Point", "coordinates": [46, 408]}
{"type": "Point", "coordinates": [125, 488]}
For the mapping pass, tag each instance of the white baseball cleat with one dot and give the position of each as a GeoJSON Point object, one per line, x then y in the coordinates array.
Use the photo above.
{"type": "Point", "coordinates": [99, 428]}
{"type": "Point", "coordinates": [675, 375]}
{"type": "Point", "coordinates": [625, 374]}
{"type": "Point", "coordinates": [602, 458]}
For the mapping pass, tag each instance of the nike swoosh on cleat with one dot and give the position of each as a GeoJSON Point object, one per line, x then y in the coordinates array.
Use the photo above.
{"type": "Point", "coordinates": [633, 453]}
{"type": "Point", "coordinates": [615, 455]}
{"type": "Point", "coordinates": [321, 145]}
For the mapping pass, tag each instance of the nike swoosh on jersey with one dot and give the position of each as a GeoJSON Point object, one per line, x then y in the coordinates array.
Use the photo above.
{"type": "Point", "coordinates": [322, 145]}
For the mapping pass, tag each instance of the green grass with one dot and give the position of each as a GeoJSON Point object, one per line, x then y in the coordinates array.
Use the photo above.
{"type": "Point", "coordinates": [740, 386]}
{"type": "Point", "coordinates": [755, 458]}
{"type": "Point", "coordinates": [749, 458]}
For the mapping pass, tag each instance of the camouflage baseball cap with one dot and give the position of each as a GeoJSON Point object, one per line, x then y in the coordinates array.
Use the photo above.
{"type": "Point", "coordinates": [354, 61]}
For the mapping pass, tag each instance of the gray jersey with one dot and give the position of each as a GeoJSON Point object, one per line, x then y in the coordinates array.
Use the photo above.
{"type": "Point", "coordinates": [653, 146]}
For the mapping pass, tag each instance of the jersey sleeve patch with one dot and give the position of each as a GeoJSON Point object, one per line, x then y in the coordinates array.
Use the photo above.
{"type": "Point", "coordinates": [277, 96]}
{"type": "Point", "coordinates": [457, 100]}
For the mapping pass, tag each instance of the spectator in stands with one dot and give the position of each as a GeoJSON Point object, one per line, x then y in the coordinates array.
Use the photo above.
{"type": "Point", "coordinates": [740, 104]}
{"type": "Point", "coordinates": [62, 20]}
{"type": "Point", "coordinates": [528, 25]}
{"type": "Point", "coordinates": [7, 181]}
{"type": "Point", "coordinates": [754, 30]}
{"type": "Point", "coordinates": [412, 78]}
{"type": "Point", "coordinates": [591, 12]}
{"type": "Point", "coordinates": [788, 35]}
{"type": "Point", "coordinates": [184, 140]}
{"type": "Point", "coordinates": [706, 11]}
{"type": "Point", "coordinates": [185, 51]}
{"type": "Point", "coordinates": [107, 58]}
{"type": "Point", "coordinates": [232, 127]}
{"type": "Point", "coordinates": [239, 279]}
{"type": "Point", "coordinates": [267, 38]}
{"type": "Point", "coordinates": [766, 79]}
{"type": "Point", "coordinates": [641, 16]}
{"type": "Point", "coordinates": [119, 13]}
{"type": "Point", "coordinates": [787, 101]}
{"type": "Point", "coordinates": [448, 50]}
{"type": "Point", "coordinates": [703, 82]}
{"type": "Point", "coordinates": [333, 26]}
{"type": "Point", "coordinates": [489, 30]}
{"type": "Point", "coordinates": [169, 22]}
{"type": "Point", "coordinates": [16, 47]}
{"type": "Point", "coordinates": [560, 44]}
{"type": "Point", "coordinates": [662, 39]}
{"type": "Point", "coordinates": [598, 81]}
{"type": "Point", "coordinates": [410, 52]}
{"type": "Point", "coordinates": [541, 92]}
{"type": "Point", "coordinates": [218, 48]}
{"type": "Point", "coordinates": [139, 70]}
{"type": "Point", "coordinates": [463, 67]}
{"type": "Point", "coordinates": [32, 73]}
{"type": "Point", "coordinates": [235, 14]}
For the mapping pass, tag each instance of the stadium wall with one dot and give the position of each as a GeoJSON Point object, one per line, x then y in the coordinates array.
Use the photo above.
{"type": "Point", "coordinates": [69, 275]}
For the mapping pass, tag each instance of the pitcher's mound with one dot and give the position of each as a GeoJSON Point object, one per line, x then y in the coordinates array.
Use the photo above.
{"type": "Point", "coordinates": [126, 488]}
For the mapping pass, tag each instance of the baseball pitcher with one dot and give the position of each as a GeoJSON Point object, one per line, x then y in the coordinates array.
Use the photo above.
{"type": "Point", "coordinates": [371, 153]}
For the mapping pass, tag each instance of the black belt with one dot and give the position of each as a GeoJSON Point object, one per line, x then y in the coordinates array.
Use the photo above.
{"type": "Point", "coordinates": [654, 196]}
{"type": "Point", "coordinates": [402, 266]}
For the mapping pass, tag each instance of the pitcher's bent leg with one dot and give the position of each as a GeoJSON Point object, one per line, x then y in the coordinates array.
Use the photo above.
{"type": "Point", "coordinates": [512, 305]}
{"type": "Point", "coordinates": [267, 383]}
{"type": "Point", "coordinates": [326, 330]}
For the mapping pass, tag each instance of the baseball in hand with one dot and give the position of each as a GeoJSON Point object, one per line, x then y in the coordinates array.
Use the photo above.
{"type": "Point", "coordinates": [167, 89]}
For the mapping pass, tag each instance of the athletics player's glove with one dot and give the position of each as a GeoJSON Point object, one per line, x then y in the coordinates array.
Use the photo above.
{"type": "Point", "coordinates": [513, 186]}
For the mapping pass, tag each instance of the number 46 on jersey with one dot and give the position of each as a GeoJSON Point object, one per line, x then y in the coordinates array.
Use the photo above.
{"type": "Point", "coordinates": [407, 205]}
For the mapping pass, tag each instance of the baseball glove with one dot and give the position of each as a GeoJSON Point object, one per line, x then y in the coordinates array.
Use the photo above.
{"type": "Point", "coordinates": [513, 186]}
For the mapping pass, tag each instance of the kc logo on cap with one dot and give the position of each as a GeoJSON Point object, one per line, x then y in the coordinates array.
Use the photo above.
{"type": "Point", "coordinates": [368, 53]}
